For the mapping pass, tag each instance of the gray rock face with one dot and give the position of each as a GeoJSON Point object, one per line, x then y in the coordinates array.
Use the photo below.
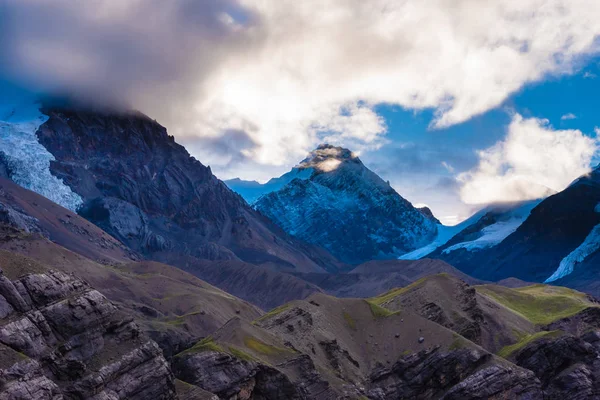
{"type": "Point", "coordinates": [59, 338]}
{"type": "Point", "coordinates": [24, 380]}
{"type": "Point", "coordinates": [453, 375]}
{"type": "Point", "coordinates": [231, 378]}
{"type": "Point", "coordinates": [13, 217]}
{"type": "Point", "coordinates": [568, 366]}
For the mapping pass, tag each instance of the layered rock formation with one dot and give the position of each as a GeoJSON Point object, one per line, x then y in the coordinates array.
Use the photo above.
{"type": "Point", "coordinates": [59, 338]}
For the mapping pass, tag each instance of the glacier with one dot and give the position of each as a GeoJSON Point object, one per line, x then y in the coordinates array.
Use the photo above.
{"type": "Point", "coordinates": [27, 160]}
{"type": "Point", "coordinates": [495, 233]}
{"type": "Point", "coordinates": [590, 244]}
{"type": "Point", "coordinates": [445, 233]}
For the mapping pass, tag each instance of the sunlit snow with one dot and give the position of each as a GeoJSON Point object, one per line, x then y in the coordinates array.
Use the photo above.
{"type": "Point", "coordinates": [27, 159]}
{"type": "Point", "coordinates": [445, 233]}
{"type": "Point", "coordinates": [495, 233]}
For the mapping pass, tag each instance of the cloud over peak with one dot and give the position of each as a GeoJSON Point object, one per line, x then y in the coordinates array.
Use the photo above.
{"type": "Point", "coordinates": [533, 161]}
{"type": "Point", "coordinates": [287, 74]}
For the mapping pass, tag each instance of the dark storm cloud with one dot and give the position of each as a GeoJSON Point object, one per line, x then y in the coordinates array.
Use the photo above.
{"type": "Point", "coordinates": [124, 52]}
{"type": "Point", "coordinates": [227, 150]}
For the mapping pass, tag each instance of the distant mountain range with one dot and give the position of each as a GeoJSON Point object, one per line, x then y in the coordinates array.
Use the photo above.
{"type": "Point", "coordinates": [349, 210]}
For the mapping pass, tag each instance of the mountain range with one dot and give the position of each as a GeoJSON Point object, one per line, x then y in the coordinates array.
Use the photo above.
{"type": "Point", "coordinates": [552, 239]}
{"type": "Point", "coordinates": [129, 271]}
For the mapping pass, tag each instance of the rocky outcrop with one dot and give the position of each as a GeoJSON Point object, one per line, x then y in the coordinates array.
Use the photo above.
{"type": "Point", "coordinates": [9, 215]}
{"type": "Point", "coordinates": [61, 338]}
{"type": "Point", "coordinates": [143, 188]}
{"type": "Point", "coordinates": [459, 374]}
{"type": "Point", "coordinates": [426, 211]}
{"type": "Point", "coordinates": [497, 382]}
{"type": "Point", "coordinates": [567, 366]}
{"type": "Point", "coordinates": [231, 378]}
{"type": "Point", "coordinates": [22, 379]}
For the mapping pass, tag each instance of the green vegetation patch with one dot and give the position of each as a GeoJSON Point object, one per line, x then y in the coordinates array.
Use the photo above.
{"type": "Point", "coordinates": [508, 350]}
{"type": "Point", "coordinates": [349, 320]}
{"type": "Point", "coordinates": [458, 343]}
{"type": "Point", "coordinates": [206, 344]}
{"type": "Point", "coordinates": [273, 312]}
{"type": "Point", "coordinates": [540, 304]}
{"type": "Point", "coordinates": [242, 355]}
{"type": "Point", "coordinates": [262, 347]}
{"type": "Point", "coordinates": [180, 319]}
{"type": "Point", "coordinates": [378, 311]}
{"type": "Point", "coordinates": [391, 294]}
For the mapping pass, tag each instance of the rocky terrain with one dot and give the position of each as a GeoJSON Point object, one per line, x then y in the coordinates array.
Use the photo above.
{"type": "Point", "coordinates": [321, 347]}
{"type": "Point", "coordinates": [346, 208]}
{"type": "Point", "coordinates": [62, 339]}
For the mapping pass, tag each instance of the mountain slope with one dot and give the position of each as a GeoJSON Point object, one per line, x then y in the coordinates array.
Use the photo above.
{"type": "Point", "coordinates": [346, 208]}
{"type": "Point", "coordinates": [376, 277]}
{"type": "Point", "coordinates": [556, 239]}
{"type": "Point", "coordinates": [131, 179]}
{"type": "Point", "coordinates": [252, 190]}
{"type": "Point", "coordinates": [486, 228]}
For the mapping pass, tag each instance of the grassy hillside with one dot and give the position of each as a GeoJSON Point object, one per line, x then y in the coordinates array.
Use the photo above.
{"type": "Point", "coordinates": [540, 304]}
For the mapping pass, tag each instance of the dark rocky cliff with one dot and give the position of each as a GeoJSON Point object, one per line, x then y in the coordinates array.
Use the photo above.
{"type": "Point", "coordinates": [143, 188]}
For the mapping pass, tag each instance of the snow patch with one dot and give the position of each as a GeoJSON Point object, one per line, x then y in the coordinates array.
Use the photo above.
{"type": "Point", "coordinates": [589, 246]}
{"type": "Point", "coordinates": [445, 233]}
{"type": "Point", "coordinates": [491, 236]}
{"type": "Point", "coordinates": [495, 233]}
{"type": "Point", "coordinates": [27, 159]}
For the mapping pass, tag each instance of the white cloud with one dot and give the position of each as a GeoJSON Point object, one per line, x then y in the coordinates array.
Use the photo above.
{"type": "Point", "coordinates": [568, 116]}
{"type": "Point", "coordinates": [533, 161]}
{"type": "Point", "coordinates": [589, 75]}
{"type": "Point", "coordinates": [293, 73]}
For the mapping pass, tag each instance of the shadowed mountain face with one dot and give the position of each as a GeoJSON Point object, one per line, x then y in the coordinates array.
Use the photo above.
{"type": "Point", "coordinates": [144, 189]}
{"type": "Point", "coordinates": [346, 208]}
{"type": "Point", "coordinates": [557, 242]}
